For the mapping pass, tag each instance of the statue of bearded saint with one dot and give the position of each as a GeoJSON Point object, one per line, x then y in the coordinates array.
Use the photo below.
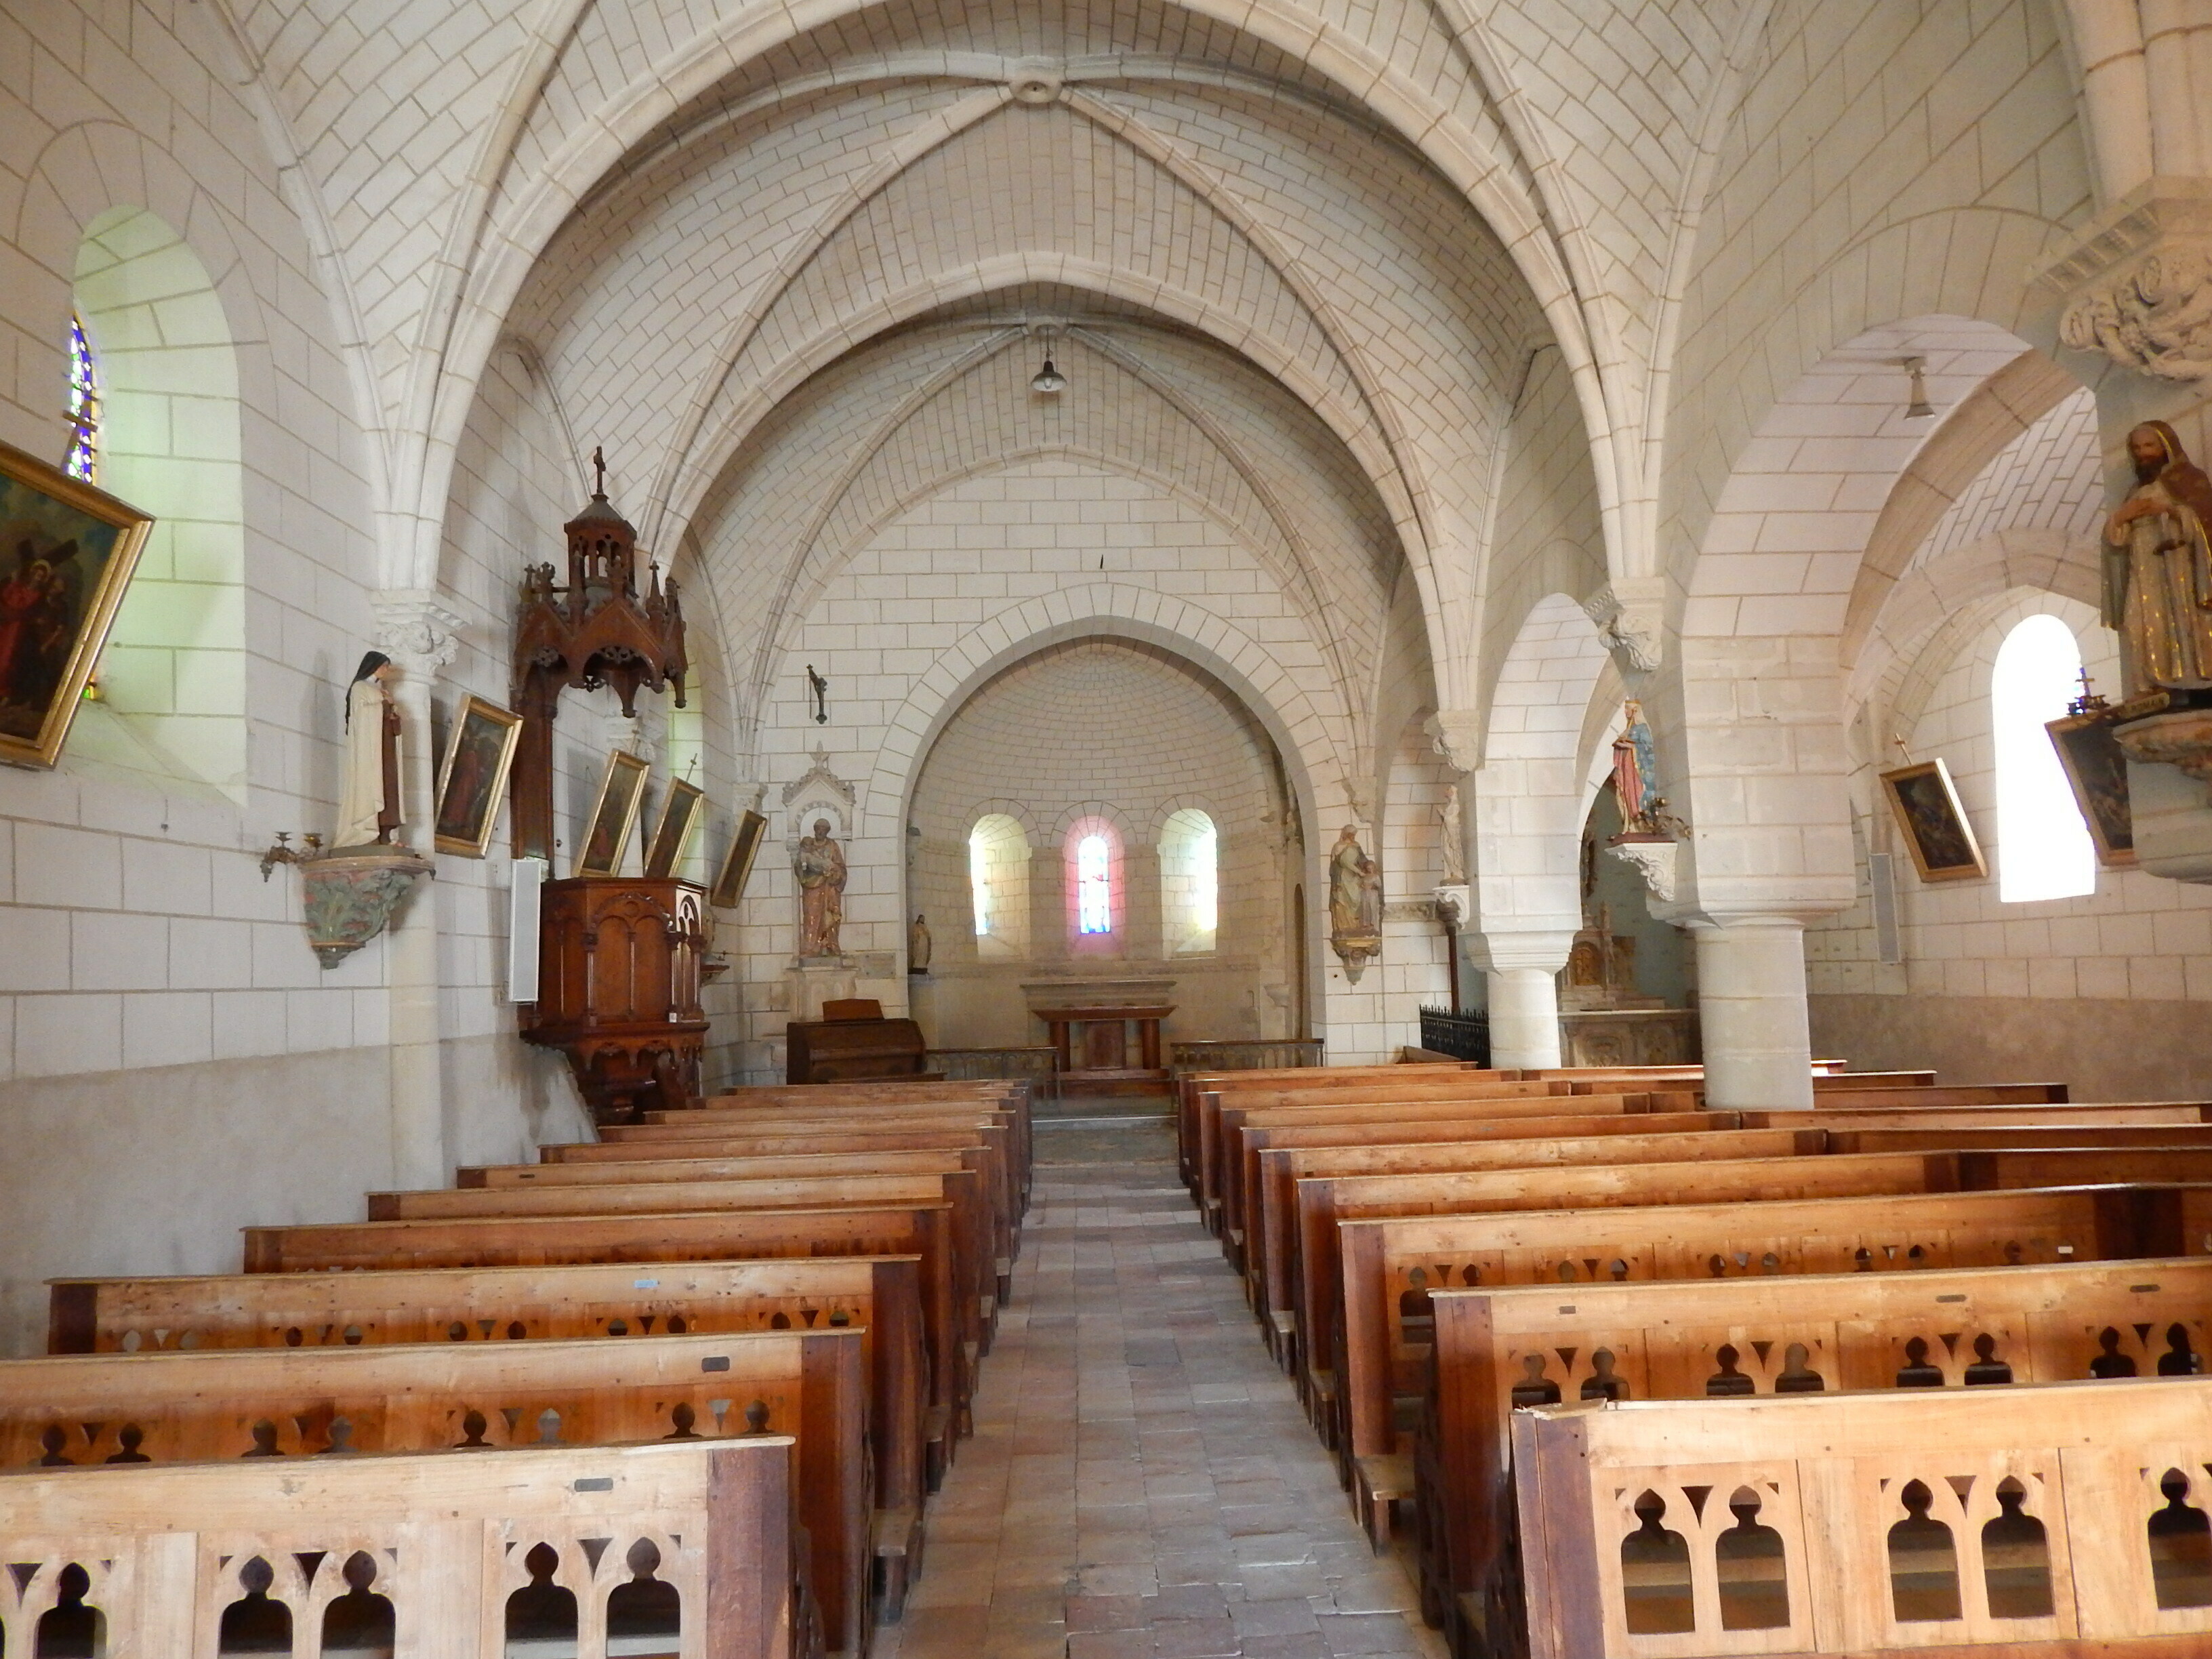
{"type": "Point", "coordinates": [821, 869]}
{"type": "Point", "coordinates": [2158, 567]}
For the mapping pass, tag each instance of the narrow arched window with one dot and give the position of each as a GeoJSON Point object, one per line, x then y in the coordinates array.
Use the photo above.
{"type": "Point", "coordinates": [1094, 907]}
{"type": "Point", "coordinates": [1190, 886]}
{"type": "Point", "coordinates": [998, 885]}
{"type": "Point", "coordinates": [2043, 850]}
{"type": "Point", "coordinates": [83, 459]}
{"type": "Point", "coordinates": [979, 878]}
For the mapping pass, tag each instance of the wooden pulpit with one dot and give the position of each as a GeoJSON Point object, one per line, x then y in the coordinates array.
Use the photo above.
{"type": "Point", "coordinates": [618, 990]}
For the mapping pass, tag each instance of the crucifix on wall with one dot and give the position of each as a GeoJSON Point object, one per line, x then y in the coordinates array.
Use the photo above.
{"type": "Point", "coordinates": [818, 688]}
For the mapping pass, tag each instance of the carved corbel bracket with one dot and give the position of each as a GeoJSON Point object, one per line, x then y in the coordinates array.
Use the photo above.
{"type": "Point", "coordinates": [417, 630]}
{"type": "Point", "coordinates": [1455, 903]}
{"type": "Point", "coordinates": [2137, 282]}
{"type": "Point", "coordinates": [1630, 614]}
{"type": "Point", "coordinates": [1355, 952]}
{"type": "Point", "coordinates": [1456, 736]}
{"type": "Point", "coordinates": [1652, 858]}
{"type": "Point", "coordinates": [2182, 739]}
{"type": "Point", "coordinates": [351, 896]}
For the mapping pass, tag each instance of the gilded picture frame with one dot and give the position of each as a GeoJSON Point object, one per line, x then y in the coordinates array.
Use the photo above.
{"type": "Point", "coordinates": [679, 816]}
{"type": "Point", "coordinates": [737, 863]}
{"type": "Point", "coordinates": [2097, 771]}
{"type": "Point", "coordinates": [67, 552]}
{"type": "Point", "coordinates": [614, 815]}
{"type": "Point", "coordinates": [1936, 833]}
{"type": "Point", "coordinates": [472, 779]}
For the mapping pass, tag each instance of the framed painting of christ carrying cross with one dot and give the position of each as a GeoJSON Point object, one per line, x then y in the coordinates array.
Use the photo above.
{"type": "Point", "coordinates": [67, 550]}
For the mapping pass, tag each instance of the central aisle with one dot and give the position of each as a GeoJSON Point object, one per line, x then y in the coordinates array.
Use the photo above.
{"type": "Point", "coordinates": [1142, 1483]}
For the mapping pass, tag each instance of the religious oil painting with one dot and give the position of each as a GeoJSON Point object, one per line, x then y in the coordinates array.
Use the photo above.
{"type": "Point", "coordinates": [67, 550]}
{"type": "Point", "coordinates": [2098, 772]}
{"type": "Point", "coordinates": [621, 791]}
{"type": "Point", "coordinates": [474, 776]}
{"type": "Point", "coordinates": [1935, 830]}
{"type": "Point", "coordinates": [738, 867]}
{"type": "Point", "coordinates": [678, 818]}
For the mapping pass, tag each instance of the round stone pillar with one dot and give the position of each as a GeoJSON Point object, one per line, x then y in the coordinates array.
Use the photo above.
{"type": "Point", "coordinates": [1750, 1015]}
{"type": "Point", "coordinates": [1524, 1016]}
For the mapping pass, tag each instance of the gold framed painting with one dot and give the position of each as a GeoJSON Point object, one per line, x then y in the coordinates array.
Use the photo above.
{"type": "Point", "coordinates": [1934, 825]}
{"type": "Point", "coordinates": [678, 818]}
{"type": "Point", "coordinates": [474, 775]}
{"type": "Point", "coordinates": [67, 550]}
{"type": "Point", "coordinates": [2097, 771]}
{"type": "Point", "coordinates": [607, 836]}
{"type": "Point", "coordinates": [737, 864]}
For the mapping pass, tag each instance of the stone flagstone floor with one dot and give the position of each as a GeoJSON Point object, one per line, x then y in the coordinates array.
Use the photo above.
{"type": "Point", "coordinates": [1141, 1484]}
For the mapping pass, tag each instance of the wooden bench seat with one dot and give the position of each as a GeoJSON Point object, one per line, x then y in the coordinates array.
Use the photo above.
{"type": "Point", "coordinates": [161, 1553]}
{"type": "Point", "coordinates": [976, 1237]}
{"type": "Point", "coordinates": [219, 1406]}
{"type": "Point", "coordinates": [924, 1230]}
{"type": "Point", "coordinates": [1492, 1350]}
{"type": "Point", "coordinates": [1389, 1268]}
{"type": "Point", "coordinates": [2061, 1519]}
{"type": "Point", "coordinates": [1190, 1084]}
{"type": "Point", "coordinates": [1223, 1116]}
{"type": "Point", "coordinates": [879, 1296]}
{"type": "Point", "coordinates": [1008, 1100]}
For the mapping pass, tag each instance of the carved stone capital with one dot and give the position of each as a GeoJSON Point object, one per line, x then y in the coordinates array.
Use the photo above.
{"type": "Point", "coordinates": [1630, 614]}
{"type": "Point", "coordinates": [2137, 280]}
{"type": "Point", "coordinates": [1456, 736]}
{"type": "Point", "coordinates": [416, 630]}
{"type": "Point", "coordinates": [1654, 860]}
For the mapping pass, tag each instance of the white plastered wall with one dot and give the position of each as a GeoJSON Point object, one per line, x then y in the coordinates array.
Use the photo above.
{"type": "Point", "coordinates": [174, 1063]}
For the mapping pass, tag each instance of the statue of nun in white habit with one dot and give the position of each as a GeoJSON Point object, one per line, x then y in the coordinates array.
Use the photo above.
{"type": "Point", "coordinates": [368, 802]}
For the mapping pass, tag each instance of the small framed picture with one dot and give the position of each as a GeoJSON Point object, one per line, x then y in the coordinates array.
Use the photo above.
{"type": "Point", "coordinates": [474, 775]}
{"type": "Point", "coordinates": [67, 550]}
{"type": "Point", "coordinates": [738, 865]}
{"type": "Point", "coordinates": [2098, 772]}
{"type": "Point", "coordinates": [607, 836]}
{"type": "Point", "coordinates": [665, 849]}
{"type": "Point", "coordinates": [1935, 830]}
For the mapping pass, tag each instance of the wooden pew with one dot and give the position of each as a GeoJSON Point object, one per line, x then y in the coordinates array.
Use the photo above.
{"type": "Point", "coordinates": [879, 1296]}
{"type": "Point", "coordinates": [1963, 1117]}
{"type": "Point", "coordinates": [1221, 1116]}
{"type": "Point", "coordinates": [1389, 1268]}
{"type": "Point", "coordinates": [1496, 1349]}
{"type": "Point", "coordinates": [1190, 1086]}
{"type": "Point", "coordinates": [2062, 1519]}
{"type": "Point", "coordinates": [435, 1544]}
{"type": "Point", "coordinates": [1010, 1099]}
{"type": "Point", "coordinates": [975, 1229]}
{"type": "Point", "coordinates": [219, 1406]}
{"type": "Point", "coordinates": [919, 1230]}
{"type": "Point", "coordinates": [1326, 1205]}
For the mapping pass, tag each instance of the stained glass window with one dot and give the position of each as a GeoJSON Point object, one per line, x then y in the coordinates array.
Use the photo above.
{"type": "Point", "coordinates": [83, 460]}
{"type": "Point", "coordinates": [1093, 895]}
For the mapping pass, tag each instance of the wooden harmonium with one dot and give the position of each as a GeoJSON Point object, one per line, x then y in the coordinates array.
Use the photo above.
{"type": "Point", "coordinates": [1497, 1351]}
{"type": "Point", "coordinates": [583, 1550]}
{"type": "Point", "coordinates": [853, 1042]}
{"type": "Point", "coordinates": [2062, 1519]}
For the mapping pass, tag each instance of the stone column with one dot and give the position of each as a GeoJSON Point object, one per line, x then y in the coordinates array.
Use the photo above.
{"type": "Point", "coordinates": [421, 636]}
{"type": "Point", "coordinates": [1752, 1014]}
{"type": "Point", "coordinates": [1524, 995]}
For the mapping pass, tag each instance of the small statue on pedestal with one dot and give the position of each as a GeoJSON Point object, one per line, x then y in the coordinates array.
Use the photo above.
{"type": "Point", "coordinates": [820, 864]}
{"type": "Point", "coordinates": [918, 947]}
{"type": "Point", "coordinates": [368, 802]}
{"type": "Point", "coordinates": [2158, 567]}
{"type": "Point", "coordinates": [1355, 904]}
{"type": "Point", "coordinates": [1636, 775]}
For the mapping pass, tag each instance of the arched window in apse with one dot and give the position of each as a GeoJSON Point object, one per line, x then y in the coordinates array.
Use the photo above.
{"type": "Point", "coordinates": [83, 459]}
{"type": "Point", "coordinates": [979, 878]}
{"type": "Point", "coordinates": [1094, 912]}
{"type": "Point", "coordinates": [2043, 850]}
{"type": "Point", "coordinates": [1190, 884]}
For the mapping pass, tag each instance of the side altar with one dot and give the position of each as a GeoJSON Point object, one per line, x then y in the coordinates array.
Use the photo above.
{"type": "Point", "coordinates": [1105, 1033]}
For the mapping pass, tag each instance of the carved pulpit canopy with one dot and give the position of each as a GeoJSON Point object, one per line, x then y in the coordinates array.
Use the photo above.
{"type": "Point", "coordinates": [597, 630]}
